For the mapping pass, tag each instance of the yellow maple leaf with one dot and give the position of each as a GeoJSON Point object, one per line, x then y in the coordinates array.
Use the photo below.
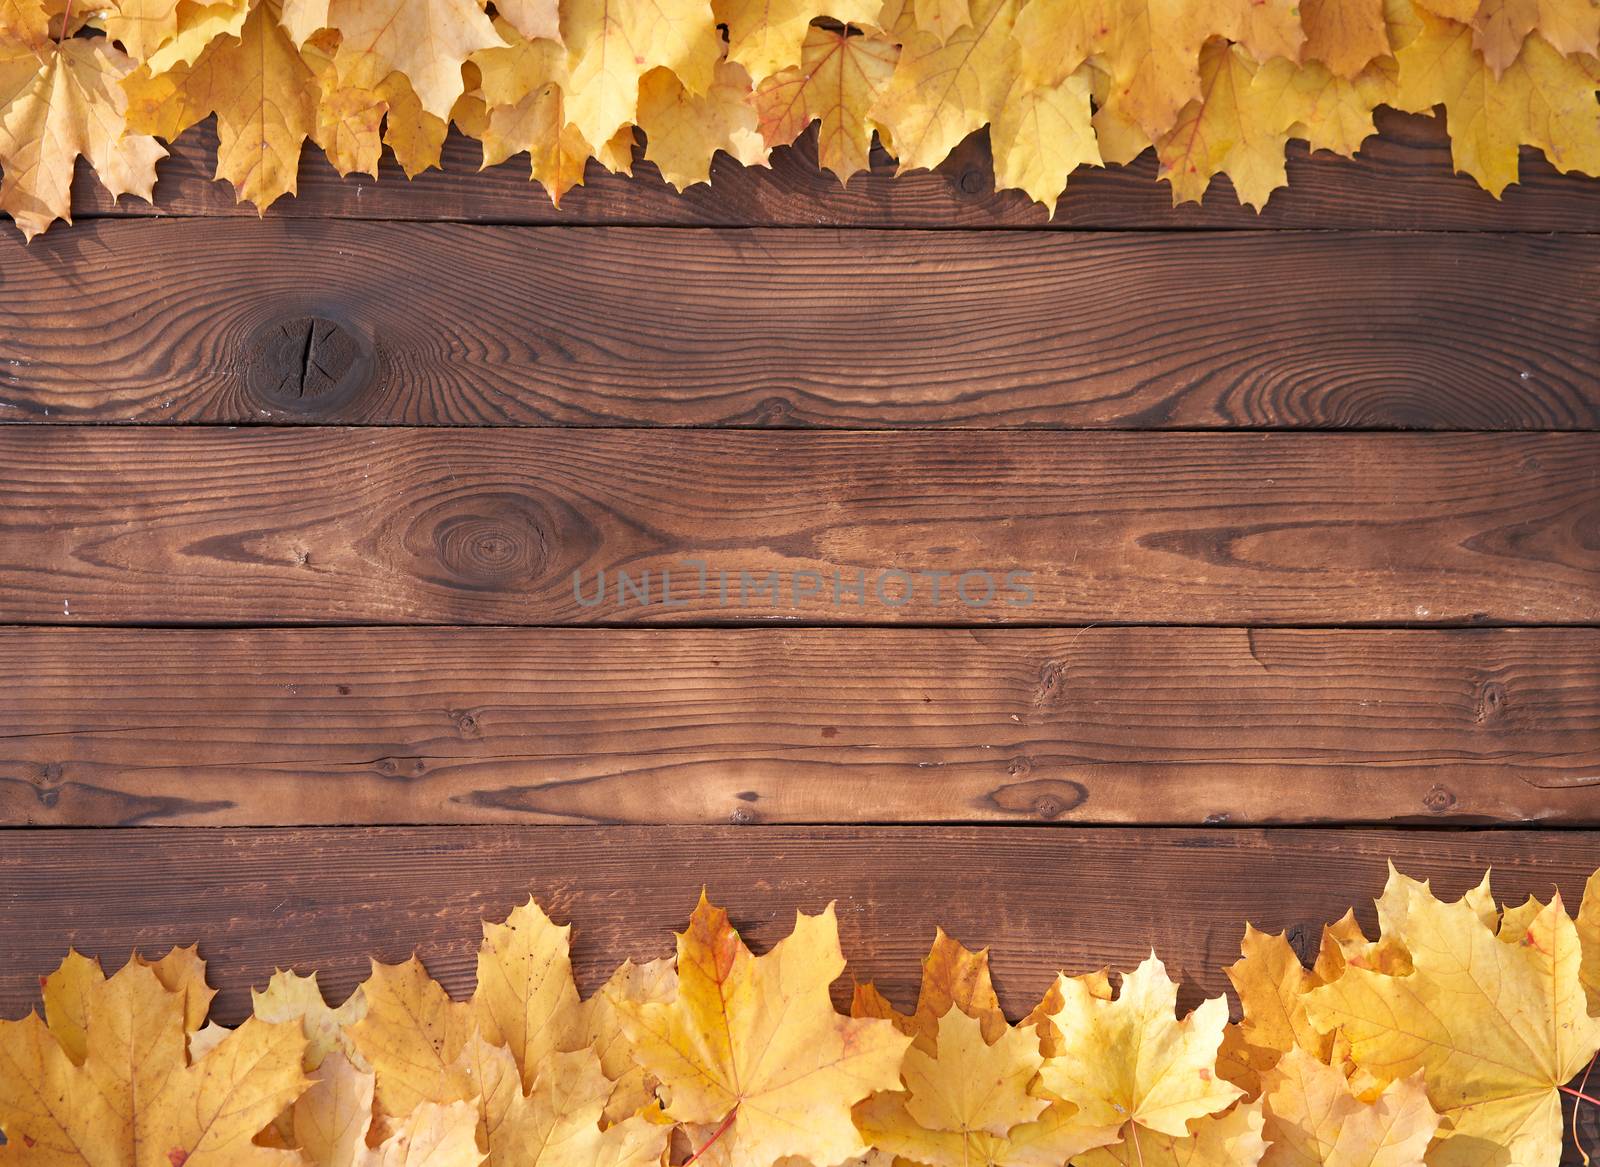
{"type": "Point", "coordinates": [413, 1036]}
{"type": "Point", "coordinates": [60, 101]}
{"type": "Point", "coordinates": [330, 1121]}
{"type": "Point", "coordinates": [1313, 1119]}
{"type": "Point", "coordinates": [1495, 1023]}
{"type": "Point", "coordinates": [1542, 99]}
{"type": "Point", "coordinates": [837, 81]}
{"type": "Point", "coordinates": [944, 89]}
{"type": "Point", "coordinates": [1344, 35]}
{"type": "Point", "coordinates": [163, 33]}
{"type": "Point", "coordinates": [765, 36]}
{"type": "Point", "coordinates": [633, 1089]}
{"type": "Point", "coordinates": [683, 131]}
{"type": "Point", "coordinates": [1329, 111]}
{"type": "Point", "coordinates": [755, 1042]}
{"type": "Point", "coordinates": [1229, 1140]}
{"type": "Point", "coordinates": [532, 18]}
{"type": "Point", "coordinates": [525, 94]}
{"type": "Point", "coordinates": [138, 1089]}
{"type": "Point", "coordinates": [1041, 135]}
{"type": "Point", "coordinates": [558, 1122]}
{"type": "Point", "coordinates": [24, 27]}
{"type": "Point", "coordinates": [1233, 127]}
{"type": "Point", "coordinates": [264, 96]}
{"type": "Point", "coordinates": [426, 40]}
{"type": "Point", "coordinates": [431, 1136]}
{"type": "Point", "coordinates": [1131, 1061]}
{"type": "Point", "coordinates": [611, 44]}
{"type": "Point", "coordinates": [1588, 925]}
{"type": "Point", "coordinates": [292, 997]}
{"type": "Point", "coordinates": [1272, 983]}
{"type": "Point", "coordinates": [1149, 50]}
{"type": "Point", "coordinates": [969, 1102]}
{"type": "Point", "coordinates": [526, 999]}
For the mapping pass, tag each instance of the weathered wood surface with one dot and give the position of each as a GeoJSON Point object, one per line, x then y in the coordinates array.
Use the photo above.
{"type": "Point", "coordinates": [1137, 725]}
{"type": "Point", "coordinates": [1402, 180]}
{"type": "Point", "coordinates": [240, 321]}
{"type": "Point", "coordinates": [1045, 899]}
{"type": "Point", "coordinates": [207, 526]}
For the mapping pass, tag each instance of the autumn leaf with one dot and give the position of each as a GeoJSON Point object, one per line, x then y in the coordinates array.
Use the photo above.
{"type": "Point", "coordinates": [264, 96]}
{"type": "Point", "coordinates": [839, 77]}
{"type": "Point", "coordinates": [431, 1136]}
{"type": "Point", "coordinates": [1041, 134]}
{"type": "Point", "coordinates": [1229, 129]}
{"type": "Point", "coordinates": [611, 44]}
{"type": "Point", "coordinates": [944, 89]}
{"type": "Point", "coordinates": [1344, 35]}
{"type": "Point", "coordinates": [427, 40]}
{"type": "Point", "coordinates": [168, 32]}
{"type": "Point", "coordinates": [1149, 49]}
{"type": "Point", "coordinates": [138, 1088]}
{"type": "Point", "coordinates": [1543, 99]}
{"type": "Point", "coordinates": [1233, 1139]}
{"type": "Point", "coordinates": [1496, 1024]}
{"type": "Point", "coordinates": [526, 999]}
{"type": "Point", "coordinates": [1131, 1061]}
{"type": "Point", "coordinates": [684, 131]}
{"type": "Point", "coordinates": [1272, 984]}
{"type": "Point", "coordinates": [755, 1042]}
{"type": "Point", "coordinates": [765, 36]}
{"type": "Point", "coordinates": [59, 102]}
{"type": "Point", "coordinates": [970, 1101]}
{"type": "Point", "coordinates": [1314, 1119]}
{"type": "Point", "coordinates": [525, 90]}
{"type": "Point", "coordinates": [633, 1089]}
{"type": "Point", "coordinates": [413, 1036]}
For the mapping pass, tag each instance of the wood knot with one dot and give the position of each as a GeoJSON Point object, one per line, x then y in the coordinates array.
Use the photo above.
{"type": "Point", "coordinates": [1304, 941]}
{"type": "Point", "coordinates": [1491, 701]}
{"type": "Point", "coordinates": [491, 541]}
{"type": "Point", "coordinates": [306, 365]}
{"type": "Point", "coordinates": [1045, 798]}
{"type": "Point", "coordinates": [1439, 800]}
{"type": "Point", "coordinates": [972, 180]}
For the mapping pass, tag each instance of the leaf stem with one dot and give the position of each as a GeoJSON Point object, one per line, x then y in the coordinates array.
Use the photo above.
{"type": "Point", "coordinates": [1590, 1098]}
{"type": "Point", "coordinates": [715, 1135]}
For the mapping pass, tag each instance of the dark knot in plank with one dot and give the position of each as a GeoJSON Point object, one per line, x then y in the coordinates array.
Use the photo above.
{"type": "Point", "coordinates": [497, 540]}
{"type": "Point", "coordinates": [306, 365]}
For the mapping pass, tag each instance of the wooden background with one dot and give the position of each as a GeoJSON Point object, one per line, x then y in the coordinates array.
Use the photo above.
{"type": "Point", "coordinates": [290, 511]}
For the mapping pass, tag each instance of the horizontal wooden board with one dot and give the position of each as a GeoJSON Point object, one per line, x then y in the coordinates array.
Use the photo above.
{"type": "Point", "coordinates": [1401, 180]}
{"type": "Point", "coordinates": [240, 321]}
{"type": "Point", "coordinates": [264, 526]}
{"type": "Point", "coordinates": [1045, 899]}
{"type": "Point", "coordinates": [1137, 725]}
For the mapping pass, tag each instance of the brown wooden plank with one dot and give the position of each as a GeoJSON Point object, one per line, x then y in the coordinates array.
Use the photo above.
{"type": "Point", "coordinates": [1402, 180]}
{"type": "Point", "coordinates": [1045, 899]}
{"type": "Point", "coordinates": [240, 321]}
{"type": "Point", "coordinates": [272, 526]}
{"type": "Point", "coordinates": [1137, 725]}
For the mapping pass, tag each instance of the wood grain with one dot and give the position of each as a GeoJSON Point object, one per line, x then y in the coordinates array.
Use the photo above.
{"type": "Point", "coordinates": [272, 526]}
{"type": "Point", "coordinates": [1135, 725]}
{"type": "Point", "coordinates": [240, 321]}
{"type": "Point", "coordinates": [1402, 180]}
{"type": "Point", "coordinates": [1046, 900]}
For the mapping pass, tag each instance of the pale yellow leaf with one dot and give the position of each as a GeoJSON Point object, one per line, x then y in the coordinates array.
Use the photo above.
{"type": "Point", "coordinates": [1314, 1120]}
{"type": "Point", "coordinates": [758, 1038]}
{"type": "Point", "coordinates": [1230, 1140]}
{"type": "Point", "coordinates": [683, 131]}
{"type": "Point", "coordinates": [942, 90]}
{"type": "Point", "coordinates": [1041, 135]}
{"type": "Point", "coordinates": [1495, 1027]}
{"type": "Point", "coordinates": [1132, 1060]}
{"type": "Point", "coordinates": [62, 102]}
{"type": "Point", "coordinates": [765, 36]}
{"type": "Point", "coordinates": [836, 83]}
